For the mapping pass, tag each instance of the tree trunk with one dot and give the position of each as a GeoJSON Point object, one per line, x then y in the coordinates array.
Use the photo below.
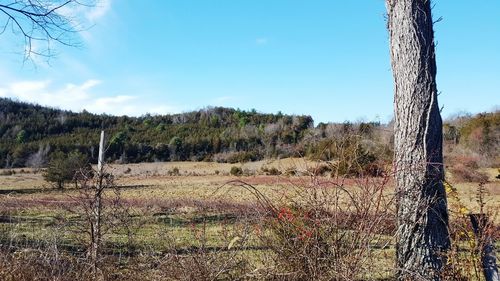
{"type": "Point", "coordinates": [421, 206]}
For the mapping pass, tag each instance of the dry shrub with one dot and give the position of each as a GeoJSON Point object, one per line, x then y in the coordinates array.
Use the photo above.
{"type": "Point", "coordinates": [236, 157]}
{"type": "Point", "coordinates": [273, 171]}
{"type": "Point", "coordinates": [350, 155]}
{"type": "Point", "coordinates": [38, 264]}
{"type": "Point", "coordinates": [464, 257]}
{"type": "Point", "coordinates": [463, 173]}
{"type": "Point", "coordinates": [43, 264]}
{"type": "Point", "coordinates": [328, 231]}
{"type": "Point", "coordinates": [236, 171]}
{"type": "Point", "coordinates": [174, 172]}
{"type": "Point", "coordinates": [291, 172]}
{"type": "Point", "coordinates": [464, 169]}
{"type": "Point", "coordinates": [7, 172]}
{"type": "Point", "coordinates": [206, 264]}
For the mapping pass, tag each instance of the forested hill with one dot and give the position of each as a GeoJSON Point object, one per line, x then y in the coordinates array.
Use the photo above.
{"type": "Point", "coordinates": [30, 133]}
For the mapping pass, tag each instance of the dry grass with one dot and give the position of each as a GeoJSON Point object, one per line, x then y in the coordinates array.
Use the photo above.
{"type": "Point", "coordinates": [168, 210]}
{"type": "Point", "coordinates": [198, 180]}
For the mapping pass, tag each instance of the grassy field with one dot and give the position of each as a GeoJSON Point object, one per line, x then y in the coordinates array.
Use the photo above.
{"type": "Point", "coordinates": [181, 207]}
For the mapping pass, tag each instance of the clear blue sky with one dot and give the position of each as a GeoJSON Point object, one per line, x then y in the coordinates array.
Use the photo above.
{"type": "Point", "coordinates": [325, 58]}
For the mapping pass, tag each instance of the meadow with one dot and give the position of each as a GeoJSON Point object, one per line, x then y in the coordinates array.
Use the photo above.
{"type": "Point", "coordinates": [197, 221]}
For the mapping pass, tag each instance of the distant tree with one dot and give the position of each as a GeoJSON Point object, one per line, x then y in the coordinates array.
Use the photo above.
{"type": "Point", "coordinates": [422, 212]}
{"type": "Point", "coordinates": [175, 148]}
{"type": "Point", "coordinates": [63, 168]}
{"type": "Point", "coordinates": [21, 154]}
{"type": "Point", "coordinates": [117, 143]}
{"type": "Point", "coordinates": [21, 136]}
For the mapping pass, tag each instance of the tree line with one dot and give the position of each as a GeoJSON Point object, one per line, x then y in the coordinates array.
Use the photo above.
{"type": "Point", "coordinates": [31, 135]}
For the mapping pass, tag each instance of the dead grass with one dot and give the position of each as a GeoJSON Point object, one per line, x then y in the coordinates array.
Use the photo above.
{"type": "Point", "coordinates": [172, 208]}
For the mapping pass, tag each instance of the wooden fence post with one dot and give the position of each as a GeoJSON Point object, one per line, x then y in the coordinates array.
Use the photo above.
{"type": "Point", "coordinates": [97, 209]}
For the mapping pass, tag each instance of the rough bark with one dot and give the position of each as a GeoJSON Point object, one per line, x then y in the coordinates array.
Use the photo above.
{"type": "Point", "coordinates": [422, 206]}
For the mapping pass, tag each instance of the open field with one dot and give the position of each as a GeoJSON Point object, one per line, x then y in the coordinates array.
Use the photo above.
{"type": "Point", "coordinates": [208, 181]}
{"type": "Point", "coordinates": [199, 206]}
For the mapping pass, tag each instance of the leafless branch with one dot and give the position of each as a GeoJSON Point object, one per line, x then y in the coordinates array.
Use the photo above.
{"type": "Point", "coordinates": [40, 21]}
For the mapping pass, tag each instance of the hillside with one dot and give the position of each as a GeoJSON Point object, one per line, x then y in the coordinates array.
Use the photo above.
{"type": "Point", "coordinates": [30, 133]}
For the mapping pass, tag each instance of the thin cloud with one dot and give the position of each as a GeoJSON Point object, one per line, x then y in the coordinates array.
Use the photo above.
{"type": "Point", "coordinates": [101, 8]}
{"type": "Point", "coordinates": [81, 15]}
{"type": "Point", "coordinates": [70, 96]}
{"type": "Point", "coordinates": [77, 97]}
{"type": "Point", "coordinates": [24, 87]}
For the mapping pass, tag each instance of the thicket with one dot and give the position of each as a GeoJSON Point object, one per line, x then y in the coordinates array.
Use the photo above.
{"type": "Point", "coordinates": [472, 143]}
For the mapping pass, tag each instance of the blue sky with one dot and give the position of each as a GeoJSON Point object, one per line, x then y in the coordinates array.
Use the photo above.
{"type": "Point", "coordinates": [325, 58]}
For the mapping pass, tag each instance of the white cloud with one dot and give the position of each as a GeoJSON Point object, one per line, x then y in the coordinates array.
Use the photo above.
{"type": "Point", "coordinates": [118, 105]}
{"type": "Point", "coordinates": [77, 97]}
{"type": "Point", "coordinates": [70, 96]}
{"type": "Point", "coordinates": [90, 84]}
{"type": "Point", "coordinates": [81, 15]}
{"type": "Point", "coordinates": [19, 88]}
{"type": "Point", "coordinates": [101, 8]}
{"type": "Point", "coordinates": [261, 41]}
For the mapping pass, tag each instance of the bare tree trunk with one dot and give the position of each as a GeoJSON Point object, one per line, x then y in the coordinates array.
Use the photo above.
{"type": "Point", "coordinates": [422, 206]}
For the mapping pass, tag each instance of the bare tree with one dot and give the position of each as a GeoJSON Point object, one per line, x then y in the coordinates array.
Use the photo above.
{"type": "Point", "coordinates": [96, 219]}
{"type": "Point", "coordinates": [40, 21]}
{"type": "Point", "coordinates": [422, 205]}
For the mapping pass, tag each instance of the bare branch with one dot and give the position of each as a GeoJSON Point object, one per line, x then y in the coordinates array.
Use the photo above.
{"type": "Point", "coordinates": [40, 20]}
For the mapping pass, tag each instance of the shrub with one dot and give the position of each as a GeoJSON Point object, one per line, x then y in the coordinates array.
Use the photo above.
{"type": "Point", "coordinates": [174, 172]}
{"type": "Point", "coordinates": [7, 172]}
{"type": "Point", "coordinates": [237, 157]}
{"type": "Point", "coordinates": [236, 171]}
{"type": "Point", "coordinates": [320, 239]}
{"type": "Point", "coordinates": [273, 171]}
{"type": "Point", "coordinates": [291, 172]}
{"type": "Point", "coordinates": [350, 156]}
{"type": "Point", "coordinates": [63, 167]}
{"type": "Point", "coordinates": [462, 173]}
{"type": "Point", "coordinates": [469, 240]}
